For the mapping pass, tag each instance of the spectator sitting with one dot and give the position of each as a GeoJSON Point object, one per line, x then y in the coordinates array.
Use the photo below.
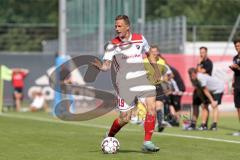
{"type": "Point", "coordinates": [39, 102]}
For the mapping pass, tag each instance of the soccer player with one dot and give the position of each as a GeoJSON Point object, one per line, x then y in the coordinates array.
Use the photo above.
{"type": "Point", "coordinates": [213, 89]}
{"type": "Point", "coordinates": [236, 78]}
{"type": "Point", "coordinates": [157, 74]}
{"type": "Point", "coordinates": [18, 77]}
{"type": "Point", "coordinates": [123, 51]}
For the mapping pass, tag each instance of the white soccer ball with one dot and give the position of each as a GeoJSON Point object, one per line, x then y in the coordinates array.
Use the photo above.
{"type": "Point", "coordinates": [110, 145]}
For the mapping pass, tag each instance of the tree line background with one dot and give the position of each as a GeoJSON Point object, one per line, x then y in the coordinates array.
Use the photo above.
{"type": "Point", "coordinates": [18, 18]}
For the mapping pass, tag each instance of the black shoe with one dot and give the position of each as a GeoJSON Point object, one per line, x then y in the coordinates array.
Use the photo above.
{"type": "Point", "coordinates": [203, 127]}
{"type": "Point", "coordinates": [191, 127]}
{"type": "Point", "coordinates": [174, 123]}
{"type": "Point", "coordinates": [160, 128]}
{"type": "Point", "coordinates": [213, 127]}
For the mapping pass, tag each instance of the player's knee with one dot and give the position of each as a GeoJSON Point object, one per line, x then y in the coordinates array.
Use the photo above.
{"type": "Point", "coordinates": [17, 96]}
{"type": "Point", "coordinates": [151, 110]}
{"type": "Point", "coordinates": [215, 107]}
{"type": "Point", "coordinates": [159, 105]}
{"type": "Point", "coordinates": [124, 120]}
{"type": "Point", "coordinates": [204, 107]}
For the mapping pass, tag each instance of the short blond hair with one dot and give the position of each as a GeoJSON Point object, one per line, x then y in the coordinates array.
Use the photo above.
{"type": "Point", "coordinates": [123, 17]}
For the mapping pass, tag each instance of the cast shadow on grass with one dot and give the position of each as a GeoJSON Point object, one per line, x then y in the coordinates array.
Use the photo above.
{"type": "Point", "coordinates": [132, 151]}
{"type": "Point", "coordinates": [128, 151]}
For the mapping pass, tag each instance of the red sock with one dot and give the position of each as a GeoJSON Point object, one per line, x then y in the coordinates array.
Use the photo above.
{"type": "Point", "coordinates": [149, 126]}
{"type": "Point", "coordinates": [115, 128]}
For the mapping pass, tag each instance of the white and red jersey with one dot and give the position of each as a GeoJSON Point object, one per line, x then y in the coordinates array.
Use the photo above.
{"type": "Point", "coordinates": [131, 77]}
{"type": "Point", "coordinates": [132, 48]}
{"type": "Point", "coordinates": [121, 52]}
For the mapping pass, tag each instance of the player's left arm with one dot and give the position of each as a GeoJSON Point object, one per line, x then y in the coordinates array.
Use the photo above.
{"type": "Point", "coordinates": [146, 46]}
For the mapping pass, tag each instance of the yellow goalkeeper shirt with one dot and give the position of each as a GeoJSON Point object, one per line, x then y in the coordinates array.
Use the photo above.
{"type": "Point", "coordinates": [152, 72]}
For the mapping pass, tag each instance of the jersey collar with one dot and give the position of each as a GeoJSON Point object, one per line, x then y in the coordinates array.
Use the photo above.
{"type": "Point", "coordinates": [129, 39]}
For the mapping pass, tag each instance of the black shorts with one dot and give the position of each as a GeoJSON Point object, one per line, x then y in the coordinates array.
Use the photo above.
{"type": "Point", "coordinates": [164, 99]}
{"type": "Point", "coordinates": [236, 98]}
{"type": "Point", "coordinates": [218, 97]}
{"type": "Point", "coordinates": [199, 98]}
{"type": "Point", "coordinates": [175, 100]}
{"type": "Point", "coordinates": [160, 96]}
{"type": "Point", "coordinates": [18, 90]}
{"type": "Point", "coordinates": [159, 92]}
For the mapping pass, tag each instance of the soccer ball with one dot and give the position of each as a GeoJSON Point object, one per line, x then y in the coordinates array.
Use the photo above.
{"type": "Point", "coordinates": [110, 145]}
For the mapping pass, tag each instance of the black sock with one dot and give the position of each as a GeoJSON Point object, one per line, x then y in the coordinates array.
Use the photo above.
{"type": "Point", "coordinates": [159, 117]}
{"type": "Point", "coordinates": [193, 124]}
{"type": "Point", "coordinates": [214, 124]}
{"type": "Point", "coordinates": [207, 121]}
{"type": "Point", "coordinates": [204, 124]}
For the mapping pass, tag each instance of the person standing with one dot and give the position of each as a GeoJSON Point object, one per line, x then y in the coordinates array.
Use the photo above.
{"type": "Point", "coordinates": [205, 64]}
{"type": "Point", "coordinates": [236, 77]}
{"type": "Point", "coordinates": [18, 76]}
{"type": "Point", "coordinates": [213, 89]}
{"type": "Point", "coordinates": [157, 74]}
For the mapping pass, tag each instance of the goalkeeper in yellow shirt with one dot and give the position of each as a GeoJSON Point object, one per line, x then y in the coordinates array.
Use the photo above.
{"type": "Point", "coordinates": [157, 73]}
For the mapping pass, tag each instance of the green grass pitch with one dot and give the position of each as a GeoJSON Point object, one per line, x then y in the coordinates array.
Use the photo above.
{"type": "Point", "coordinates": [39, 136]}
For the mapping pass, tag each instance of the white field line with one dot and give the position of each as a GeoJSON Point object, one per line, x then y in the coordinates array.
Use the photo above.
{"type": "Point", "coordinates": [107, 127]}
{"type": "Point", "coordinates": [198, 137]}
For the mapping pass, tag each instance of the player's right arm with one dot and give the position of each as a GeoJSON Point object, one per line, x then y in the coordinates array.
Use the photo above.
{"type": "Point", "coordinates": [107, 58]}
{"type": "Point", "coordinates": [106, 65]}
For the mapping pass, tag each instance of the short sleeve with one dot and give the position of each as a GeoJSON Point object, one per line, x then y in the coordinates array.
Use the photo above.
{"type": "Point", "coordinates": [203, 79]}
{"type": "Point", "coordinates": [208, 67]}
{"type": "Point", "coordinates": [109, 52]}
{"type": "Point", "coordinates": [146, 46]}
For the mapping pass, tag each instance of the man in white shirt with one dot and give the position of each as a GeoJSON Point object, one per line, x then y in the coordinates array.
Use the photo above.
{"type": "Point", "coordinates": [212, 88]}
